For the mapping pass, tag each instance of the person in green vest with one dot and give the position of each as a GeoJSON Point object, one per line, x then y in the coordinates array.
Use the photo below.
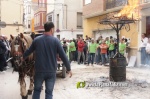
{"type": "Point", "coordinates": [72, 50]}
{"type": "Point", "coordinates": [100, 39]}
{"type": "Point", "coordinates": [92, 50]}
{"type": "Point", "coordinates": [62, 41]}
{"type": "Point", "coordinates": [111, 48]}
{"type": "Point", "coordinates": [122, 47]}
{"type": "Point", "coordinates": [107, 41]}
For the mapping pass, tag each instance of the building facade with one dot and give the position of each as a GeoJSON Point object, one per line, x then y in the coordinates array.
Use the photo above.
{"type": "Point", "coordinates": [67, 17]}
{"type": "Point", "coordinates": [13, 20]}
{"type": "Point", "coordinates": [40, 10]}
{"type": "Point", "coordinates": [28, 15]}
{"type": "Point", "coordinates": [96, 10]}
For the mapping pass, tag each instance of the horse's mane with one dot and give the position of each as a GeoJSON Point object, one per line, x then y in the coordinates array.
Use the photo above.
{"type": "Point", "coordinates": [27, 38]}
{"type": "Point", "coordinates": [29, 42]}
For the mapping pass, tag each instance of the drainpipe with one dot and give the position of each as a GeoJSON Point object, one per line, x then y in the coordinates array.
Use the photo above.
{"type": "Point", "coordinates": [66, 15]}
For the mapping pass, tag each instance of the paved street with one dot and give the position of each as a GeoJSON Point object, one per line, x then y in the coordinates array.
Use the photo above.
{"type": "Point", "coordinates": [66, 88]}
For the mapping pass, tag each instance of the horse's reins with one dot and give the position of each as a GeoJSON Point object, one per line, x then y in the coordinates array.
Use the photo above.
{"type": "Point", "coordinates": [24, 63]}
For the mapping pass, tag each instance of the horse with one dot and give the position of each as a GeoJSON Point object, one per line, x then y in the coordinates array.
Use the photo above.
{"type": "Point", "coordinates": [19, 44]}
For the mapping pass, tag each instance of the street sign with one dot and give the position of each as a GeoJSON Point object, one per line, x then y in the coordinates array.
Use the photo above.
{"type": "Point", "coordinates": [2, 24]}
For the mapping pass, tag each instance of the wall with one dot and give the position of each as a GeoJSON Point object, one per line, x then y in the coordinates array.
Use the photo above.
{"type": "Point", "coordinates": [58, 9]}
{"type": "Point", "coordinates": [12, 12]}
{"type": "Point", "coordinates": [92, 24]}
{"type": "Point", "coordinates": [132, 34]}
{"type": "Point", "coordinates": [95, 6]}
{"type": "Point", "coordinates": [68, 34]}
{"type": "Point", "coordinates": [73, 6]}
{"type": "Point", "coordinates": [50, 6]}
{"type": "Point", "coordinates": [67, 10]}
{"type": "Point", "coordinates": [27, 15]}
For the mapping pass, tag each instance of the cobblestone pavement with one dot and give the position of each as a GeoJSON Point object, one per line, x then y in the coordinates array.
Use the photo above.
{"type": "Point", "coordinates": [66, 88]}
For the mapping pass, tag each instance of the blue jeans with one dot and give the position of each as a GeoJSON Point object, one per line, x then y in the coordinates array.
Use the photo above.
{"type": "Point", "coordinates": [111, 53]}
{"type": "Point", "coordinates": [79, 56]}
{"type": "Point", "coordinates": [104, 58]}
{"type": "Point", "coordinates": [91, 57]}
{"type": "Point", "coordinates": [49, 79]}
{"type": "Point", "coordinates": [98, 57]}
{"type": "Point", "coordinates": [143, 56]}
{"type": "Point", "coordinates": [148, 59]}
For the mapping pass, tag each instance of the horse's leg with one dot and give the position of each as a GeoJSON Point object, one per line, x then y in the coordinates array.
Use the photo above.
{"type": "Point", "coordinates": [23, 89]}
{"type": "Point", "coordinates": [31, 87]}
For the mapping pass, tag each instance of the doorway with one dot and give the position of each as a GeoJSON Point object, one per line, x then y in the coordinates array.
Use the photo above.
{"type": "Point", "coordinates": [58, 36]}
{"type": "Point", "coordinates": [148, 26]}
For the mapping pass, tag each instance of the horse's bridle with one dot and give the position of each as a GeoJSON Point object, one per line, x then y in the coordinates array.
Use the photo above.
{"type": "Point", "coordinates": [17, 55]}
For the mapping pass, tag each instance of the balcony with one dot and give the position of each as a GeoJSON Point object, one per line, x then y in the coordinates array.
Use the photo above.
{"type": "Point", "coordinates": [144, 1]}
{"type": "Point", "coordinates": [145, 4]}
{"type": "Point", "coordinates": [115, 3]}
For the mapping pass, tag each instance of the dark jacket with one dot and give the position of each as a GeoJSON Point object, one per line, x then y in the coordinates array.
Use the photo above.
{"type": "Point", "coordinates": [2, 48]}
{"type": "Point", "coordinates": [46, 49]}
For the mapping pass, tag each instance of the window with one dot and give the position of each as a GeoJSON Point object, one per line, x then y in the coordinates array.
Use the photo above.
{"type": "Point", "coordinates": [29, 24]}
{"type": "Point", "coordinates": [25, 22]}
{"type": "Point", "coordinates": [79, 35]}
{"type": "Point", "coordinates": [43, 3]}
{"type": "Point", "coordinates": [50, 18]}
{"type": "Point", "coordinates": [57, 21]}
{"type": "Point", "coordinates": [29, 9]}
{"type": "Point", "coordinates": [40, 3]}
{"type": "Point", "coordinates": [79, 20]}
{"type": "Point", "coordinates": [87, 1]}
{"type": "Point", "coordinates": [38, 19]}
{"type": "Point", "coordinates": [43, 19]}
{"type": "Point", "coordinates": [35, 20]}
{"type": "Point", "coordinates": [115, 3]}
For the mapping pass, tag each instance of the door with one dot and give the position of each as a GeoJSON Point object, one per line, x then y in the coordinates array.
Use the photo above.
{"type": "Point", "coordinates": [58, 36]}
{"type": "Point", "coordinates": [104, 34]}
{"type": "Point", "coordinates": [148, 26]}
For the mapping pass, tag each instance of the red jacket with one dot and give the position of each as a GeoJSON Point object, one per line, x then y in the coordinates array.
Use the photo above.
{"type": "Point", "coordinates": [80, 46]}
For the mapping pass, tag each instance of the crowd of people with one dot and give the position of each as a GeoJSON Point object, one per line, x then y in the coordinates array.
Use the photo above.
{"type": "Point", "coordinates": [4, 53]}
{"type": "Point", "coordinates": [87, 51]}
{"type": "Point", "coordinates": [90, 51]}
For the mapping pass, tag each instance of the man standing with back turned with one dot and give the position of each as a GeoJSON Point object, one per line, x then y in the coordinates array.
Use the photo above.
{"type": "Point", "coordinates": [46, 48]}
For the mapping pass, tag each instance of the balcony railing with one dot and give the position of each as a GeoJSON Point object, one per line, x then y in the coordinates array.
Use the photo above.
{"type": "Point", "coordinates": [144, 1]}
{"type": "Point", "coordinates": [115, 3]}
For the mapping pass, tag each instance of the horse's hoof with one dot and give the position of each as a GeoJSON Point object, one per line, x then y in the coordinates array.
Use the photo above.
{"type": "Point", "coordinates": [25, 97]}
{"type": "Point", "coordinates": [29, 92]}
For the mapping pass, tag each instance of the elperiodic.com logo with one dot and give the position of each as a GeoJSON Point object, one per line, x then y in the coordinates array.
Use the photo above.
{"type": "Point", "coordinates": [101, 84]}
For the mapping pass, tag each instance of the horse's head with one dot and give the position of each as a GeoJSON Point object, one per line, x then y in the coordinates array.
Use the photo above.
{"type": "Point", "coordinates": [18, 46]}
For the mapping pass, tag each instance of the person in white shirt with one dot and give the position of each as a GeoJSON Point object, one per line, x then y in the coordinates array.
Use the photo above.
{"type": "Point", "coordinates": [148, 53]}
{"type": "Point", "coordinates": [144, 42]}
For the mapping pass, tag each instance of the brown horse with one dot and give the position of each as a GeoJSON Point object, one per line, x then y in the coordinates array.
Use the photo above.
{"type": "Point", "coordinates": [19, 45]}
